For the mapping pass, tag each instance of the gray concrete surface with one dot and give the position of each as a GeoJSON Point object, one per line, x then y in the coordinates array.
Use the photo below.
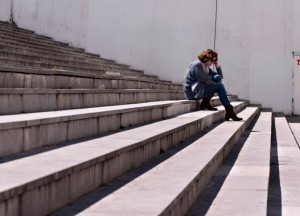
{"type": "Point", "coordinates": [96, 161]}
{"type": "Point", "coordinates": [170, 187]}
{"type": "Point", "coordinates": [240, 187]}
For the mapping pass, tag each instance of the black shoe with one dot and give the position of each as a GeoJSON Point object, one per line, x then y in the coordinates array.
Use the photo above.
{"type": "Point", "coordinates": [205, 105]}
{"type": "Point", "coordinates": [230, 114]}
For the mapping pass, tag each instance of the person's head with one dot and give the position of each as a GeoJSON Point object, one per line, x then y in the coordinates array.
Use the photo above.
{"type": "Point", "coordinates": [208, 57]}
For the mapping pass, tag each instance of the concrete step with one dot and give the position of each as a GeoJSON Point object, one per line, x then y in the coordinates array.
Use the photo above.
{"type": "Point", "coordinates": [54, 54]}
{"type": "Point", "coordinates": [40, 62]}
{"type": "Point", "coordinates": [53, 50]}
{"type": "Point", "coordinates": [12, 38]}
{"type": "Point", "coordinates": [11, 27]}
{"type": "Point", "coordinates": [9, 30]}
{"type": "Point", "coordinates": [13, 30]}
{"type": "Point", "coordinates": [99, 69]}
{"type": "Point", "coordinates": [284, 197]}
{"type": "Point", "coordinates": [171, 187]}
{"type": "Point", "coordinates": [35, 42]}
{"type": "Point", "coordinates": [16, 52]}
{"type": "Point", "coordinates": [62, 60]}
{"type": "Point", "coordinates": [57, 61]}
{"type": "Point", "coordinates": [16, 77]}
{"type": "Point", "coordinates": [294, 124]}
{"type": "Point", "coordinates": [25, 132]}
{"type": "Point", "coordinates": [240, 186]}
{"type": "Point", "coordinates": [44, 182]}
{"type": "Point", "coordinates": [14, 101]}
{"type": "Point", "coordinates": [14, 33]}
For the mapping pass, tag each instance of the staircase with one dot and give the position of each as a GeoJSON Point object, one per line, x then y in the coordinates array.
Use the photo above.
{"type": "Point", "coordinates": [84, 135]}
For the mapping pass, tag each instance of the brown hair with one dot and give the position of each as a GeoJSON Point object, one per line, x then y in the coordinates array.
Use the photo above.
{"type": "Point", "coordinates": [208, 55]}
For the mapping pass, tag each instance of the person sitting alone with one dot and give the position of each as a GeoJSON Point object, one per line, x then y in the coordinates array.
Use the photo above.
{"type": "Point", "coordinates": [201, 82]}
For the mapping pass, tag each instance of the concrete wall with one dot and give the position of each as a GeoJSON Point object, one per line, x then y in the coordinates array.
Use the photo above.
{"type": "Point", "coordinates": [160, 37]}
{"type": "Point", "coordinates": [255, 38]}
{"type": "Point", "coordinates": [5, 10]}
{"type": "Point", "coordinates": [64, 20]}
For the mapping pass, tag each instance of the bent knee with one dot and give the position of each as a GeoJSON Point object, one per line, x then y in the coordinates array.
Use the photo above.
{"type": "Point", "coordinates": [219, 84]}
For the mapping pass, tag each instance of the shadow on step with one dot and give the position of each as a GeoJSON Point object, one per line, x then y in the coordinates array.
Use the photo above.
{"type": "Point", "coordinates": [205, 200]}
{"type": "Point", "coordinates": [105, 190]}
{"type": "Point", "coordinates": [274, 195]}
{"type": "Point", "coordinates": [293, 119]}
{"type": "Point", "coordinates": [48, 148]}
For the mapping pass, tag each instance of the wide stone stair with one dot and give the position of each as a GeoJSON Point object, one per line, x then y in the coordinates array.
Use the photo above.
{"type": "Point", "coordinates": [83, 135]}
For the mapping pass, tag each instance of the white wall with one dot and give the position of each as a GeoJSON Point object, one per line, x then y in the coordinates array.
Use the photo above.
{"type": "Point", "coordinates": [64, 20]}
{"type": "Point", "coordinates": [5, 10]}
{"type": "Point", "coordinates": [295, 25]}
{"type": "Point", "coordinates": [255, 38]}
{"type": "Point", "coordinates": [160, 37]}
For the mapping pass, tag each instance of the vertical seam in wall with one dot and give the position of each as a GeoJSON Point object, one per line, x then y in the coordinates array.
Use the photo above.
{"type": "Point", "coordinates": [293, 85]}
{"type": "Point", "coordinates": [215, 33]}
{"type": "Point", "coordinates": [12, 12]}
{"type": "Point", "coordinates": [285, 27]}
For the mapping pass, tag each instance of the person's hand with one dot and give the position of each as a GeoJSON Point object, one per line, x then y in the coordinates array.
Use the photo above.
{"type": "Point", "coordinates": [217, 64]}
{"type": "Point", "coordinates": [217, 78]}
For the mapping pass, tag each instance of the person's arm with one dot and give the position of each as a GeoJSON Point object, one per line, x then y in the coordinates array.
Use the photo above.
{"type": "Point", "coordinates": [216, 76]}
{"type": "Point", "coordinates": [211, 72]}
{"type": "Point", "coordinates": [219, 71]}
{"type": "Point", "coordinates": [202, 76]}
